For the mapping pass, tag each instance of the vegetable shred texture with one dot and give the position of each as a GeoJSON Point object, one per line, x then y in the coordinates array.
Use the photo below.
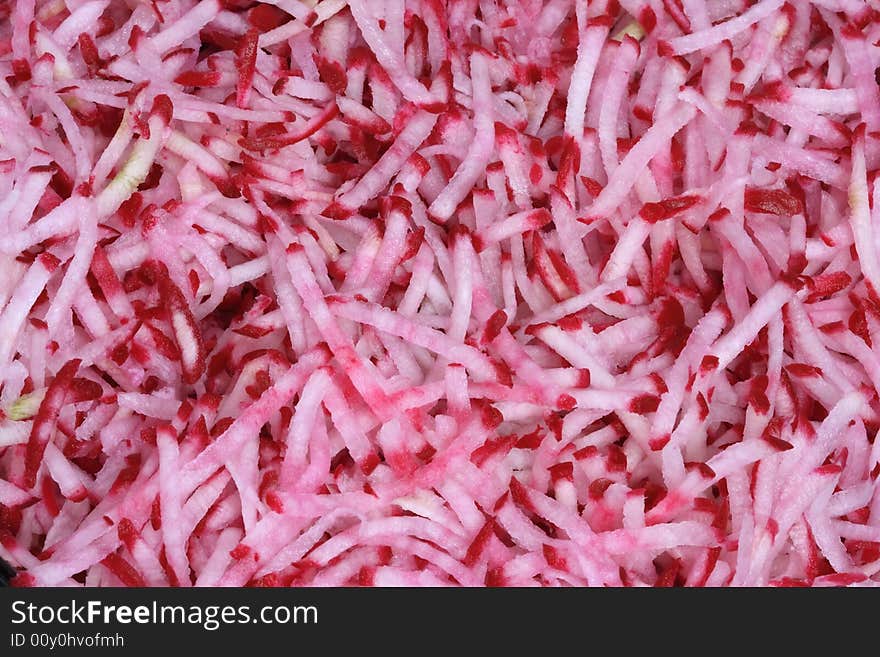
{"type": "Point", "coordinates": [429, 293]}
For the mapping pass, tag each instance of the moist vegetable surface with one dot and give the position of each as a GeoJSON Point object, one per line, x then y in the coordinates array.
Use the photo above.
{"type": "Point", "coordinates": [417, 293]}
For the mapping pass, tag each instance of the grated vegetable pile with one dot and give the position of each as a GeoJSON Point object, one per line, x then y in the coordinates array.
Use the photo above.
{"type": "Point", "coordinates": [424, 293]}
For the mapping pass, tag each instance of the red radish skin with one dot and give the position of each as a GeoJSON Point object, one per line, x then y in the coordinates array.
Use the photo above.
{"type": "Point", "coordinates": [335, 293]}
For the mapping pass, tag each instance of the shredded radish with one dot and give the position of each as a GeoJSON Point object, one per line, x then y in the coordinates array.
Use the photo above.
{"type": "Point", "coordinates": [417, 293]}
